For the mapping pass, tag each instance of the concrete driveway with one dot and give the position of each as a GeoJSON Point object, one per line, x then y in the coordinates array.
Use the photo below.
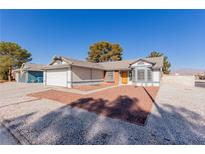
{"type": "Point", "coordinates": [177, 117]}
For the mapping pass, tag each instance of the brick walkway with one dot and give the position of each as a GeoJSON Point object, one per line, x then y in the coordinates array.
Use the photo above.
{"type": "Point", "coordinates": [92, 87]}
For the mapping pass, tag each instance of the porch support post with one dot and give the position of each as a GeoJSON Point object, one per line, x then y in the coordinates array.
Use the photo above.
{"type": "Point", "coordinates": [135, 79]}
{"type": "Point", "coordinates": [145, 77]}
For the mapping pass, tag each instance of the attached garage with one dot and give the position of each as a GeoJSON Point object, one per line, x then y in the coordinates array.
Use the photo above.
{"type": "Point", "coordinates": [67, 72]}
{"type": "Point", "coordinates": [58, 77]}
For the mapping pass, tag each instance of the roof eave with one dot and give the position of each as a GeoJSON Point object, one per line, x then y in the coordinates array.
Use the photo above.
{"type": "Point", "coordinates": [142, 60]}
{"type": "Point", "coordinates": [100, 68]}
{"type": "Point", "coordinates": [55, 67]}
{"type": "Point", "coordinates": [60, 58]}
{"type": "Point", "coordinates": [34, 70]}
{"type": "Point", "coordinates": [117, 69]}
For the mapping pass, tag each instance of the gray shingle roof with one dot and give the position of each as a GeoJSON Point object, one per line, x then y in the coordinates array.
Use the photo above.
{"type": "Point", "coordinates": [30, 67]}
{"type": "Point", "coordinates": [115, 65]}
{"type": "Point", "coordinates": [125, 64]}
{"type": "Point", "coordinates": [82, 63]}
{"type": "Point", "coordinates": [56, 66]}
{"type": "Point", "coordinates": [158, 62]}
{"type": "Point", "coordinates": [33, 67]}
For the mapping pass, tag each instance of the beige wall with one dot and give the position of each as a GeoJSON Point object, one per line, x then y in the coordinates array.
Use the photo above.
{"type": "Point", "coordinates": [97, 74]}
{"type": "Point", "coordinates": [80, 74]}
{"type": "Point", "coordinates": [116, 77]}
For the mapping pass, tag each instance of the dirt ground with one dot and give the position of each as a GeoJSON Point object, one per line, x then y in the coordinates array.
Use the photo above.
{"type": "Point", "coordinates": [3, 81]}
{"type": "Point", "coordinates": [129, 103]}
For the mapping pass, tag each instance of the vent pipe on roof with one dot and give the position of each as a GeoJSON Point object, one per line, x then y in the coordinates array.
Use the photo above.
{"type": "Point", "coordinates": [56, 57]}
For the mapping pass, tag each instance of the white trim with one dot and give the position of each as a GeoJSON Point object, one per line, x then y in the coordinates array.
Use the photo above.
{"type": "Point", "coordinates": [138, 64]}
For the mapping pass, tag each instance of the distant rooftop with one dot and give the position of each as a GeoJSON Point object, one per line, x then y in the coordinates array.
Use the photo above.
{"type": "Point", "coordinates": [31, 67]}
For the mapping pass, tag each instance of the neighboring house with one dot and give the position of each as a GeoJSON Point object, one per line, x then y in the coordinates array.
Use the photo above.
{"type": "Point", "coordinates": [29, 73]}
{"type": "Point", "coordinates": [69, 72]}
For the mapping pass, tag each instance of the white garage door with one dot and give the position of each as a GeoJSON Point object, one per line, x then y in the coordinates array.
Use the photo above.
{"type": "Point", "coordinates": [57, 77]}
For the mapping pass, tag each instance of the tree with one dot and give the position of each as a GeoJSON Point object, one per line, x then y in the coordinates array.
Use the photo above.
{"type": "Point", "coordinates": [12, 56]}
{"type": "Point", "coordinates": [166, 63]}
{"type": "Point", "coordinates": [104, 51]}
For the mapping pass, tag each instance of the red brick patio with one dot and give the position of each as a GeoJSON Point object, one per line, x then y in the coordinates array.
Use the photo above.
{"type": "Point", "coordinates": [129, 103]}
{"type": "Point", "coordinates": [92, 87]}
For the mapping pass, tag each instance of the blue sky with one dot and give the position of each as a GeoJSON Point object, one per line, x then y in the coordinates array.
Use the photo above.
{"type": "Point", "coordinates": [179, 34]}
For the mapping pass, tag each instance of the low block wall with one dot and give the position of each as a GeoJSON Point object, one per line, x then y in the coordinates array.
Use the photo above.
{"type": "Point", "coordinates": [90, 82]}
{"type": "Point", "coordinates": [180, 80]}
{"type": "Point", "coordinates": [200, 83]}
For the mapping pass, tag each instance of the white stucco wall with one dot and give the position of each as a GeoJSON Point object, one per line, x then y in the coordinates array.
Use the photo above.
{"type": "Point", "coordinates": [44, 77]}
{"type": "Point", "coordinates": [69, 78]}
{"type": "Point", "coordinates": [129, 80]}
{"type": "Point", "coordinates": [156, 76]}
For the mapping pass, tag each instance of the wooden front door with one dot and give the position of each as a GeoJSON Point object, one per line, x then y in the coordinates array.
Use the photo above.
{"type": "Point", "coordinates": [124, 77]}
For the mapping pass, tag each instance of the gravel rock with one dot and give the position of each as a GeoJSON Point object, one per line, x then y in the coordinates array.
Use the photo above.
{"type": "Point", "coordinates": [177, 117]}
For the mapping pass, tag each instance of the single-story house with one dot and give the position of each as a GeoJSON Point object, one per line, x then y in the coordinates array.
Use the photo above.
{"type": "Point", "coordinates": [67, 72]}
{"type": "Point", "coordinates": [29, 73]}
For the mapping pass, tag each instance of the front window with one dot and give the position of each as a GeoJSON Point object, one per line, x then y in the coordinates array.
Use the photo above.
{"type": "Point", "coordinates": [133, 75]}
{"type": "Point", "coordinates": [58, 62]}
{"type": "Point", "coordinates": [141, 75]}
{"type": "Point", "coordinates": [130, 75]}
{"type": "Point", "coordinates": [149, 75]}
{"type": "Point", "coordinates": [110, 76]}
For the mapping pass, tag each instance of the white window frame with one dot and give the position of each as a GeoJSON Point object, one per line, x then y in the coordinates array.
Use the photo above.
{"type": "Point", "coordinates": [110, 74]}
{"type": "Point", "coordinates": [138, 75]}
{"type": "Point", "coordinates": [151, 76]}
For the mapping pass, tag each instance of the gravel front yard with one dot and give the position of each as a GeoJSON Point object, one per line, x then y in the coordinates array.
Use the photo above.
{"type": "Point", "coordinates": [177, 117]}
{"type": "Point", "coordinates": [6, 138]}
